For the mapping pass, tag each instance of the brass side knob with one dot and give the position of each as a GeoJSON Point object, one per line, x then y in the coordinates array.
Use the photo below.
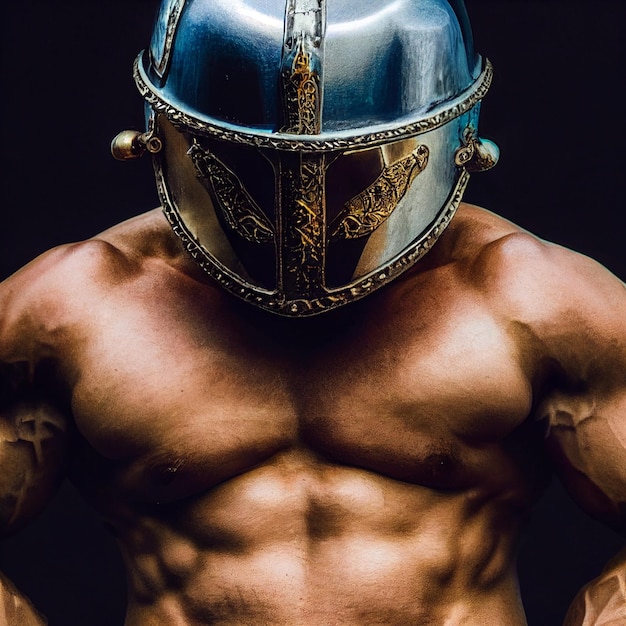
{"type": "Point", "coordinates": [477, 154]}
{"type": "Point", "coordinates": [131, 144]}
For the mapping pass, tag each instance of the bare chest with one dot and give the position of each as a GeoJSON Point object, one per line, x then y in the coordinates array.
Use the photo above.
{"type": "Point", "coordinates": [178, 396]}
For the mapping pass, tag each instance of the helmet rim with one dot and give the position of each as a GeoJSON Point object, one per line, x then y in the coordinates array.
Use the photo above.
{"type": "Point", "coordinates": [361, 137]}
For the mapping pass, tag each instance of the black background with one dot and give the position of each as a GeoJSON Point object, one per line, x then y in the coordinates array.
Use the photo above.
{"type": "Point", "coordinates": [556, 109]}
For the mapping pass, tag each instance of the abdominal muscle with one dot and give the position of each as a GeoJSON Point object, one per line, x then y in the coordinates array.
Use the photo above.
{"type": "Point", "coordinates": [301, 542]}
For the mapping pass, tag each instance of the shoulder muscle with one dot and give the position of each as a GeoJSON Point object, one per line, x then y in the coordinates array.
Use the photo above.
{"type": "Point", "coordinates": [570, 315]}
{"type": "Point", "coordinates": [37, 300]}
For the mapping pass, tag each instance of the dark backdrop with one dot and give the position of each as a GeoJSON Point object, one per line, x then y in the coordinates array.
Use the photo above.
{"type": "Point", "coordinates": [556, 110]}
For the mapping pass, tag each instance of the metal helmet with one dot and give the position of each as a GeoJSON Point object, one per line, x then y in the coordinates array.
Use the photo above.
{"type": "Point", "coordinates": [309, 151]}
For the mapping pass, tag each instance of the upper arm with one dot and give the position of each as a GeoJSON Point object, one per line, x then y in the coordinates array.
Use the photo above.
{"type": "Point", "coordinates": [33, 422]}
{"type": "Point", "coordinates": [33, 447]}
{"type": "Point", "coordinates": [568, 315]}
{"type": "Point", "coordinates": [583, 407]}
{"type": "Point", "coordinates": [44, 311]}
{"type": "Point", "coordinates": [587, 442]}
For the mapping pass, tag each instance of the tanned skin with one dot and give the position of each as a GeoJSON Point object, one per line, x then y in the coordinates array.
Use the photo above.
{"type": "Point", "coordinates": [373, 465]}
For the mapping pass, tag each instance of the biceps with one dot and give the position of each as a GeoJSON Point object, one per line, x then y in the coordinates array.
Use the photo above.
{"type": "Point", "coordinates": [33, 446]}
{"type": "Point", "coordinates": [588, 442]}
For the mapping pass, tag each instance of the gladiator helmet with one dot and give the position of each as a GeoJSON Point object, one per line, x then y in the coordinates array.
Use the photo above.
{"type": "Point", "coordinates": [307, 152]}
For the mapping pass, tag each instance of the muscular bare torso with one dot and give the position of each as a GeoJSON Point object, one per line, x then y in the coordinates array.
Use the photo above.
{"type": "Point", "coordinates": [370, 466]}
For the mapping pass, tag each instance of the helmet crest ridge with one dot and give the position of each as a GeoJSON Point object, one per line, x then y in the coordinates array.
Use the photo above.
{"type": "Point", "coordinates": [302, 66]}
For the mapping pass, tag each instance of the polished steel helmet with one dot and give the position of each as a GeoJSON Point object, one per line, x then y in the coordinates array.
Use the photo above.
{"type": "Point", "coordinates": [309, 151]}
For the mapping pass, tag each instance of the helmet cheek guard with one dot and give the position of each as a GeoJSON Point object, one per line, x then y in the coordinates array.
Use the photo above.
{"type": "Point", "coordinates": [307, 152]}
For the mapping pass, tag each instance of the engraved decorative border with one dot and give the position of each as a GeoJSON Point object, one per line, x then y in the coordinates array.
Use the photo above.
{"type": "Point", "coordinates": [175, 12]}
{"type": "Point", "coordinates": [275, 302]}
{"type": "Point", "coordinates": [323, 143]}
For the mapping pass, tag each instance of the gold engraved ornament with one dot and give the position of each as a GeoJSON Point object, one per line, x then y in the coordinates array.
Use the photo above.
{"type": "Point", "coordinates": [240, 211]}
{"type": "Point", "coordinates": [364, 213]}
{"type": "Point", "coordinates": [304, 225]}
{"type": "Point", "coordinates": [302, 96]}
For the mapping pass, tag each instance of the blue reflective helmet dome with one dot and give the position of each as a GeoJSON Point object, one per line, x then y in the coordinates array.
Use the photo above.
{"type": "Point", "coordinates": [381, 62]}
{"type": "Point", "coordinates": [313, 149]}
